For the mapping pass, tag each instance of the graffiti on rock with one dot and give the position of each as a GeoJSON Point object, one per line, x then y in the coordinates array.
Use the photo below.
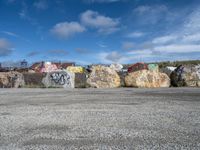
{"type": "Point", "coordinates": [60, 78]}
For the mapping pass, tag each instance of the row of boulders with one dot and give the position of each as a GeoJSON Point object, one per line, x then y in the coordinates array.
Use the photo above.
{"type": "Point", "coordinates": [140, 76]}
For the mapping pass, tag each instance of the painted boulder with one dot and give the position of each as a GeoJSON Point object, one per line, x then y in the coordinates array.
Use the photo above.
{"type": "Point", "coordinates": [48, 67]}
{"type": "Point", "coordinates": [185, 76]}
{"type": "Point", "coordinates": [77, 69]}
{"type": "Point", "coordinates": [147, 79]}
{"type": "Point", "coordinates": [103, 77]}
{"type": "Point", "coordinates": [59, 79]}
{"type": "Point", "coordinates": [137, 67]}
{"type": "Point", "coordinates": [153, 67]}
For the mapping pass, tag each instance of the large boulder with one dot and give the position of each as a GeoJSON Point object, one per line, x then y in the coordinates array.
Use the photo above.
{"type": "Point", "coordinates": [11, 80]}
{"type": "Point", "coordinates": [147, 79]}
{"type": "Point", "coordinates": [185, 76]}
{"type": "Point", "coordinates": [34, 80]}
{"type": "Point", "coordinates": [103, 77]}
{"type": "Point", "coordinates": [59, 79]}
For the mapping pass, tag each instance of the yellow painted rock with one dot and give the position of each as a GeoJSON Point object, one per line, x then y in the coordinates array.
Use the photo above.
{"type": "Point", "coordinates": [75, 69]}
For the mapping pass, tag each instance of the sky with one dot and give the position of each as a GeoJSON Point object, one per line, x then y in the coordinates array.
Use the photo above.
{"type": "Point", "coordinates": [99, 31]}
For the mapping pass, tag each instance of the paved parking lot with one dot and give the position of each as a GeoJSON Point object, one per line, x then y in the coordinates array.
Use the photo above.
{"type": "Point", "coordinates": [121, 118]}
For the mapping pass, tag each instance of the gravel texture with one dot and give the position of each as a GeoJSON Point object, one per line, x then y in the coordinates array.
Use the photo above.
{"type": "Point", "coordinates": [124, 118]}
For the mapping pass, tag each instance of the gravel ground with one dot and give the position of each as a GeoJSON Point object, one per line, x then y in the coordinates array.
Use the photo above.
{"type": "Point", "coordinates": [53, 119]}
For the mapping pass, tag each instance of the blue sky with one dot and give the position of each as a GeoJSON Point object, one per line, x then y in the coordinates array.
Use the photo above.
{"type": "Point", "coordinates": [99, 31]}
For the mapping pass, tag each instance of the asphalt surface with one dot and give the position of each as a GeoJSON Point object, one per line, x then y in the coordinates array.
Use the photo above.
{"type": "Point", "coordinates": [53, 119]}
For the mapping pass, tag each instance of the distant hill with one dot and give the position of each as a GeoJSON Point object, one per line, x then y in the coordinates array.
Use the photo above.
{"type": "Point", "coordinates": [177, 63]}
{"type": "Point", "coordinates": [171, 63]}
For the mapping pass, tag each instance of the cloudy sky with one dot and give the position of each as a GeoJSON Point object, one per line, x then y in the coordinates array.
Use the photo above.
{"type": "Point", "coordinates": [99, 31]}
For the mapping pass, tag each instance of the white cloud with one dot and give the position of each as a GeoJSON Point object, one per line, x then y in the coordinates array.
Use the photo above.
{"type": "Point", "coordinates": [145, 10]}
{"type": "Point", "coordinates": [177, 49]}
{"type": "Point", "coordinates": [11, 1]}
{"type": "Point", "coordinates": [142, 52]}
{"type": "Point", "coordinates": [126, 57]}
{"type": "Point", "coordinates": [104, 24]}
{"type": "Point", "coordinates": [191, 38]}
{"type": "Point", "coordinates": [128, 45]}
{"type": "Point", "coordinates": [67, 29]}
{"type": "Point", "coordinates": [102, 45]}
{"type": "Point", "coordinates": [41, 4]}
{"type": "Point", "coordinates": [109, 57]}
{"type": "Point", "coordinates": [164, 39]}
{"type": "Point", "coordinates": [151, 14]}
{"type": "Point", "coordinates": [10, 33]}
{"type": "Point", "coordinates": [5, 47]}
{"type": "Point", "coordinates": [135, 34]}
{"type": "Point", "coordinates": [101, 1]}
{"type": "Point", "coordinates": [23, 14]}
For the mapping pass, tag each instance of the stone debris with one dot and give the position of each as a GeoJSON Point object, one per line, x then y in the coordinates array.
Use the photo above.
{"type": "Point", "coordinates": [11, 80]}
{"type": "Point", "coordinates": [103, 77]}
{"type": "Point", "coordinates": [147, 79]}
{"type": "Point", "coordinates": [185, 76]}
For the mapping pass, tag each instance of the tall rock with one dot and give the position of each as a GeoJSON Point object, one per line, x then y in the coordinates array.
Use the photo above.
{"type": "Point", "coordinates": [147, 79]}
{"type": "Point", "coordinates": [103, 77]}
